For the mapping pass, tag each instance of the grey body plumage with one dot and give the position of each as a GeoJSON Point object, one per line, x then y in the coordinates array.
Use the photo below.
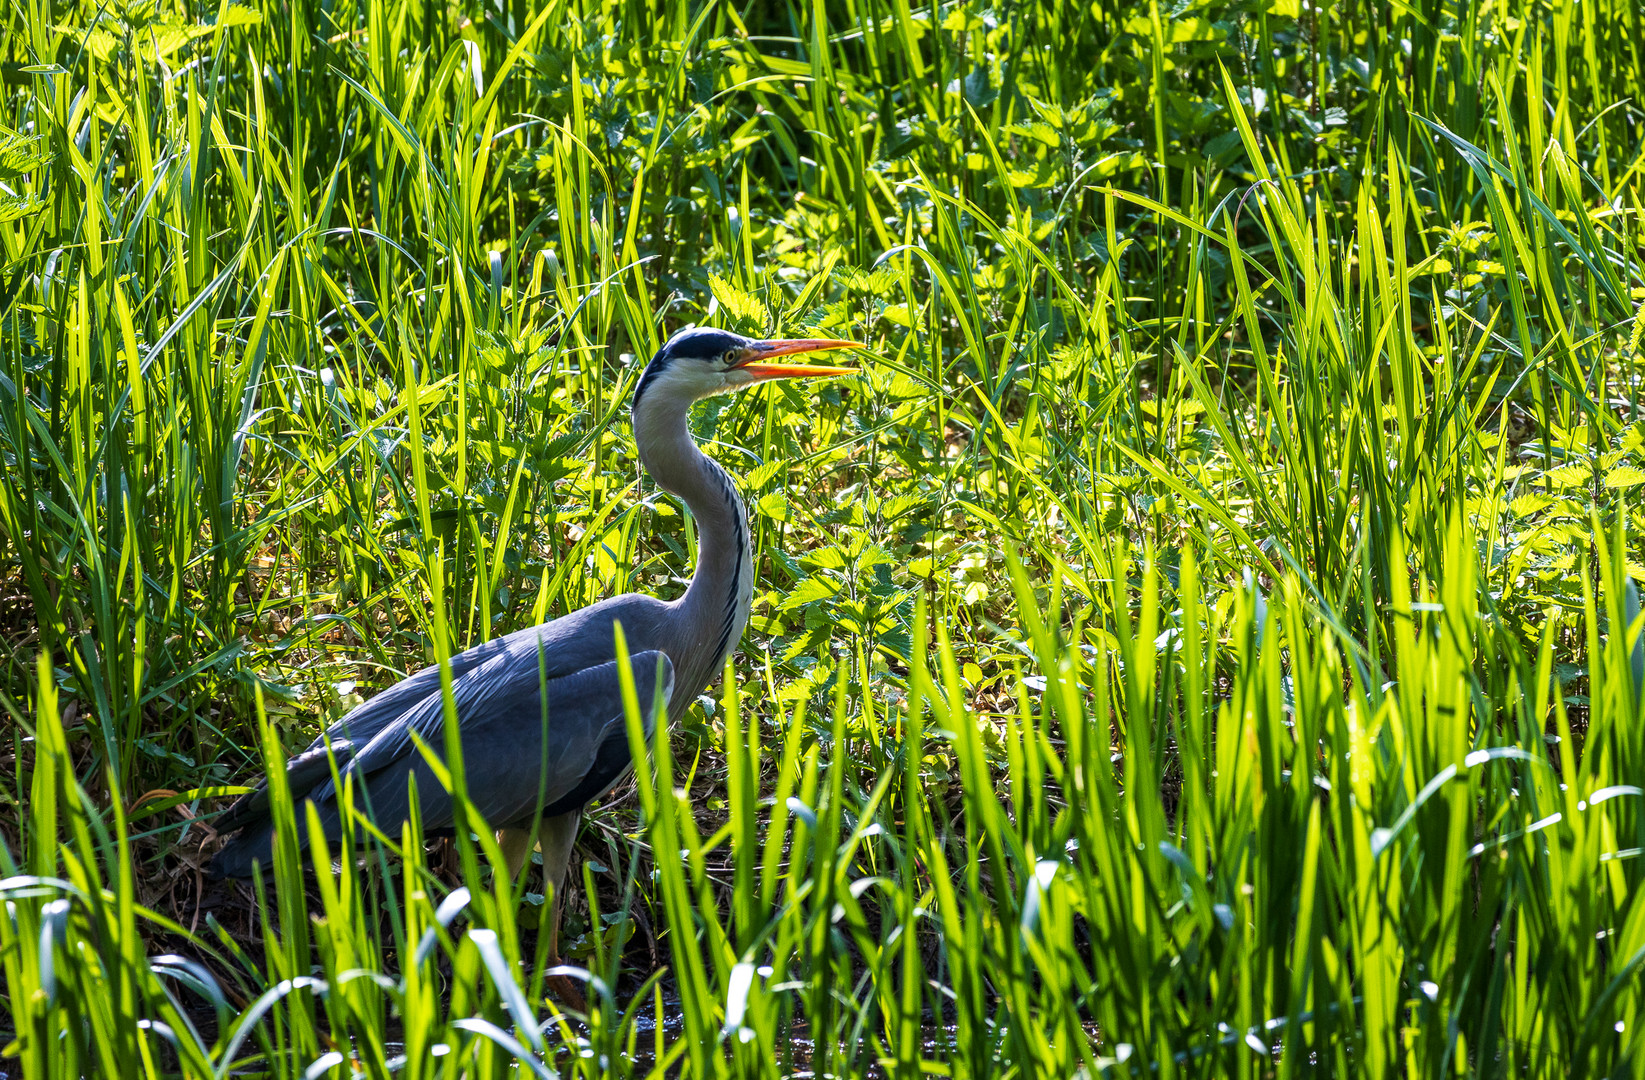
{"type": "Point", "coordinates": [496, 688]}
{"type": "Point", "coordinates": [526, 769]}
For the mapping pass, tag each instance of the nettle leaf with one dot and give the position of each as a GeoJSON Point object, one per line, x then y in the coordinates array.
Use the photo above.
{"type": "Point", "coordinates": [873, 555]}
{"type": "Point", "coordinates": [1568, 532]}
{"type": "Point", "coordinates": [13, 207]}
{"type": "Point", "coordinates": [828, 558]}
{"type": "Point", "coordinates": [1565, 507]}
{"type": "Point", "coordinates": [1530, 503]}
{"type": "Point", "coordinates": [883, 584]}
{"type": "Point", "coordinates": [774, 505]}
{"type": "Point", "coordinates": [1039, 131]}
{"type": "Point", "coordinates": [813, 679]}
{"type": "Point", "coordinates": [761, 475]}
{"type": "Point", "coordinates": [898, 314]}
{"type": "Point", "coordinates": [1572, 475]}
{"type": "Point", "coordinates": [977, 88]}
{"type": "Point", "coordinates": [1179, 30]}
{"type": "Point", "coordinates": [852, 616]}
{"type": "Point", "coordinates": [898, 644]}
{"type": "Point", "coordinates": [1624, 476]}
{"type": "Point", "coordinates": [742, 307]}
{"type": "Point", "coordinates": [20, 153]}
{"type": "Point", "coordinates": [789, 563]}
{"type": "Point", "coordinates": [898, 505]}
{"type": "Point", "coordinates": [808, 591]}
{"type": "Point", "coordinates": [705, 418]}
{"type": "Point", "coordinates": [160, 39]}
{"type": "Point", "coordinates": [877, 282]}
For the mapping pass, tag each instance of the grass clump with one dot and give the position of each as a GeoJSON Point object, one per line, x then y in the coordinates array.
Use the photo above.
{"type": "Point", "coordinates": [1201, 642]}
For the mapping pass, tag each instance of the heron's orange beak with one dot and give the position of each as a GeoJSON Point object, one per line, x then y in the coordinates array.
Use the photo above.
{"type": "Point", "coordinates": [766, 350]}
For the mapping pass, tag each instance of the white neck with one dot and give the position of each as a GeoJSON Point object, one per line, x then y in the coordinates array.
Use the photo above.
{"type": "Point", "coordinates": [711, 616]}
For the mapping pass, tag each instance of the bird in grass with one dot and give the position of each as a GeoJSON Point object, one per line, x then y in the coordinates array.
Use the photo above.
{"type": "Point", "coordinates": [532, 764]}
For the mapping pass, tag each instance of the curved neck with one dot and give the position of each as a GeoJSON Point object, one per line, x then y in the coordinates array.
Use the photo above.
{"type": "Point", "coordinates": [711, 616]}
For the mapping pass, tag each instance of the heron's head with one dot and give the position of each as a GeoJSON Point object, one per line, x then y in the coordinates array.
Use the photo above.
{"type": "Point", "coordinates": [702, 361]}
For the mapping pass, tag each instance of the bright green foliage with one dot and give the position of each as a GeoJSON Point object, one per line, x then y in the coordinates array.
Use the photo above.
{"type": "Point", "coordinates": [1346, 877]}
{"type": "Point", "coordinates": [1202, 641]}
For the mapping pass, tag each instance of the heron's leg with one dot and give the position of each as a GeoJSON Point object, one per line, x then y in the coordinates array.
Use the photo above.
{"type": "Point", "coordinates": [556, 836]}
{"type": "Point", "coordinates": [516, 845]}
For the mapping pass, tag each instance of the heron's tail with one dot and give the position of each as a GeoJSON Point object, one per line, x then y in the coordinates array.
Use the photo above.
{"type": "Point", "coordinates": [251, 813]}
{"type": "Point", "coordinates": [254, 844]}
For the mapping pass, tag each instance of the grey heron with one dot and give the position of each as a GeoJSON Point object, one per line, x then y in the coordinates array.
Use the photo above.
{"type": "Point", "coordinates": [530, 769]}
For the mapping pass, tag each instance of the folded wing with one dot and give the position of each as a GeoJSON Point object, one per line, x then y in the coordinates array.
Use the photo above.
{"type": "Point", "coordinates": [531, 746]}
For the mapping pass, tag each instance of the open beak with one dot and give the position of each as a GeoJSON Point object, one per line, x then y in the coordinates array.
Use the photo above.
{"type": "Point", "coordinates": [754, 360]}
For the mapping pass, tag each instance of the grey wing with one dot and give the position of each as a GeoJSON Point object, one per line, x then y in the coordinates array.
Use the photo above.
{"type": "Point", "coordinates": [365, 720]}
{"type": "Point", "coordinates": [312, 767]}
{"type": "Point", "coordinates": [518, 756]}
{"type": "Point", "coordinates": [563, 647]}
{"type": "Point", "coordinates": [558, 648]}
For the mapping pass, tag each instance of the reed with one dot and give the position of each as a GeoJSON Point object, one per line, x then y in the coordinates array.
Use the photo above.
{"type": "Point", "coordinates": [1202, 642]}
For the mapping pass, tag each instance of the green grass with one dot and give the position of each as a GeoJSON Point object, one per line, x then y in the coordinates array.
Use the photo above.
{"type": "Point", "coordinates": [1200, 643]}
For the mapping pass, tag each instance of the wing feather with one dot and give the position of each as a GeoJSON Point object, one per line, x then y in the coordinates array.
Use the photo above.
{"type": "Point", "coordinates": [517, 755]}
